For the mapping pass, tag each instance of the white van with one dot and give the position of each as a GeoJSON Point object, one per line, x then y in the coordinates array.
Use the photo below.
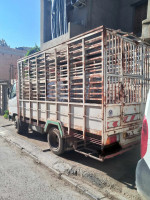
{"type": "Point", "coordinates": [143, 166]}
{"type": "Point", "coordinates": [12, 102]}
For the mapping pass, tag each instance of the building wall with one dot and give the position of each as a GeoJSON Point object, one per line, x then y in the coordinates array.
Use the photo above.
{"type": "Point", "coordinates": [96, 13]}
{"type": "Point", "coordinates": [126, 16]}
{"type": "Point", "coordinates": [105, 13]}
{"type": "Point", "coordinates": [9, 57]}
{"type": "Point", "coordinates": [115, 14]}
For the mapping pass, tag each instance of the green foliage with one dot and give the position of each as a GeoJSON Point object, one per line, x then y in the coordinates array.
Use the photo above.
{"type": "Point", "coordinates": [3, 43]}
{"type": "Point", "coordinates": [6, 114]}
{"type": "Point", "coordinates": [33, 50]}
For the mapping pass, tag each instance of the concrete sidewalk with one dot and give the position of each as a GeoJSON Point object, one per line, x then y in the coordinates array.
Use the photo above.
{"type": "Point", "coordinates": [97, 183]}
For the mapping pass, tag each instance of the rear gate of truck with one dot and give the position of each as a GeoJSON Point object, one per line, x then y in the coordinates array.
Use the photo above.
{"type": "Point", "coordinates": [126, 86]}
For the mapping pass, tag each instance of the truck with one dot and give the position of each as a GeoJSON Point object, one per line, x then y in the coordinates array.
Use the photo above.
{"type": "Point", "coordinates": [87, 94]}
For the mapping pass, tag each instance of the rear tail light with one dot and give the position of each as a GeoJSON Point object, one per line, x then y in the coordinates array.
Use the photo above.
{"type": "Point", "coordinates": [111, 139]}
{"type": "Point", "coordinates": [144, 137]}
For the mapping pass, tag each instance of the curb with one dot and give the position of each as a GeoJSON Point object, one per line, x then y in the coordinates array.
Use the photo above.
{"type": "Point", "coordinates": [82, 189]}
{"type": "Point", "coordinates": [77, 185]}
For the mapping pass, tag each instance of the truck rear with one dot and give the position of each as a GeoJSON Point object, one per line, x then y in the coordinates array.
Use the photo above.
{"type": "Point", "coordinates": [87, 94]}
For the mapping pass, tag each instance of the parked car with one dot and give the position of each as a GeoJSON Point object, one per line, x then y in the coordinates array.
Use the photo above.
{"type": "Point", "coordinates": [143, 166]}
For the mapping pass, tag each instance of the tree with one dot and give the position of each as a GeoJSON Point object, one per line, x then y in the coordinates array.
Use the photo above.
{"type": "Point", "coordinates": [3, 43]}
{"type": "Point", "coordinates": [33, 50]}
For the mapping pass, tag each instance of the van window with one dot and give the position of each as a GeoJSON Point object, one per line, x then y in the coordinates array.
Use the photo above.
{"type": "Point", "coordinates": [13, 91]}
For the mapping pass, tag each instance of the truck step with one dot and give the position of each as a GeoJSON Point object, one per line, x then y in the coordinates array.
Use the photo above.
{"type": "Point", "coordinates": [90, 153]}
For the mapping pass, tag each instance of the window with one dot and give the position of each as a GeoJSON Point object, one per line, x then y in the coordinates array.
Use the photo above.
{"type": "Point", "coordinates": [13, 91]}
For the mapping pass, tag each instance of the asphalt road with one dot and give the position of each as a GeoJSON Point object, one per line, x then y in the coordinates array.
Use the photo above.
{"type": "Point", "coordinates": [118, 173]}
{"type": "Point", "coordinates": [23, 179]}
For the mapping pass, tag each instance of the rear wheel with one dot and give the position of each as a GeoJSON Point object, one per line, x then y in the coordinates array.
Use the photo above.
{"type": "Point", "coordinates": [55, 141]}
{"type": "Point", "coordinates": [22, 127]}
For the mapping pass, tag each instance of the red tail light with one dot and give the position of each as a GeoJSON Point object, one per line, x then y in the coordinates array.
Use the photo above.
{"type": "Point", "coordinates": [111, 139]}
{"type": "Point", "coordinates": [144, 137]}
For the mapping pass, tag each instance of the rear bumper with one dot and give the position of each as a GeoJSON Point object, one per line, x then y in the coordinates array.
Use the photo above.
{"type": "Point", "coordinates": [123, 150]}
{"type": "Point", "coordinates": [117, 153]}
{"type": "Point", "coordinates": [143, 179]}
{"type": "Point", "coordinates": [110, 153]}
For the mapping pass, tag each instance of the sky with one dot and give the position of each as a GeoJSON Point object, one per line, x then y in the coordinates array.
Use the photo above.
{"type": "Point", "coordinates": [20, 22]}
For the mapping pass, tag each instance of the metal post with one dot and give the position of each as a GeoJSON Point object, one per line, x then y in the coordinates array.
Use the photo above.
{"type": "Point", "coordinates": [29, 89]}
{"type": "Point", "coordinates": [68, 72]}
{"type": "Point", "coordinates": [22, 90]}
{"type": "Point", "coordinates": [104, 82]}
{"type": "Point", "coordinates": [56, 88]}
{"type": "Point", "coordinates": [37, 90]}
{"type": "Point", "coordinates": [46, 114]}
{"type": "Point", "coordinates": [84, 89]}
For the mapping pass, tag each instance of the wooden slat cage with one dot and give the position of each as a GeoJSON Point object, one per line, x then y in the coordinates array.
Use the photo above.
{"type": "Point", "coordinates": [45, 76]}
{"type": "Point", "coordinates": [98, 68]}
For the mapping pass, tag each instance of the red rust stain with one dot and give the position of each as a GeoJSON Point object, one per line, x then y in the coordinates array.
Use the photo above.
{"type": "Point", "coordinates": [107, 124]}
{"type": "Point", "coordinates": [125, 119]}
{"type": "Point", "coordinates": [115, 124]}
{"type": "Point", "coordinates": [92, 131]}
{"type": "Point", "coordinates": [96, 132]}
{"type": "Point", "coordinates": [132, 118]}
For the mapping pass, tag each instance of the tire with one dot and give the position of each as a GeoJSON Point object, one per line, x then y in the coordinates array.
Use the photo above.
{"type": "Point", "coordinates": [22, 127]}
{"type": "Point", "coordinates": [55, 141]}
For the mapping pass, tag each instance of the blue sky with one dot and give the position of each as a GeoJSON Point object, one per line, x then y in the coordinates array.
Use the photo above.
{"type": "Point", "coordinates": [20, 22]}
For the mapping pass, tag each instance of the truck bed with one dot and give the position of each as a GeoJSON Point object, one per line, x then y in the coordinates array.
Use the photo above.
{"type": "Point", "coordinates": [95, 84]}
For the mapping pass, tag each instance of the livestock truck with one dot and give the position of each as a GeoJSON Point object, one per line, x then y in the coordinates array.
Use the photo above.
{"type": "Point", "coordinates": [87, 94]}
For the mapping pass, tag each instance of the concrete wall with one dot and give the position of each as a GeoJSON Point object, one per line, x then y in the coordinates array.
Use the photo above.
{"type": "Point", "coordinates": [115, 14]}
{"type": "Point", "coordinates": [96, 13]}
{"type": "Point", "coordinates": [9, 57]}
{"type": "Point", "coordinates": [45, 21]}
{"type": "Point", "coordinates": [105, 13]}
{"type": "Point", "coordinates": [79, 16]}
{"type": "Point", "coordinates": [73, 30]}
{"type": "Point", "coordinates": [54, 42]}
{"type": "Point", "coordinates": [8, 66]}
{"type": "Point", "coordinates": [126, 15]}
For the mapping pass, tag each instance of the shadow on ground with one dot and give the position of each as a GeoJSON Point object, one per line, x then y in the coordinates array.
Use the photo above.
{"type": "Point", "coordinates": [37, 136]}
{"type": "Point", "coordinates": [122, 168]}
